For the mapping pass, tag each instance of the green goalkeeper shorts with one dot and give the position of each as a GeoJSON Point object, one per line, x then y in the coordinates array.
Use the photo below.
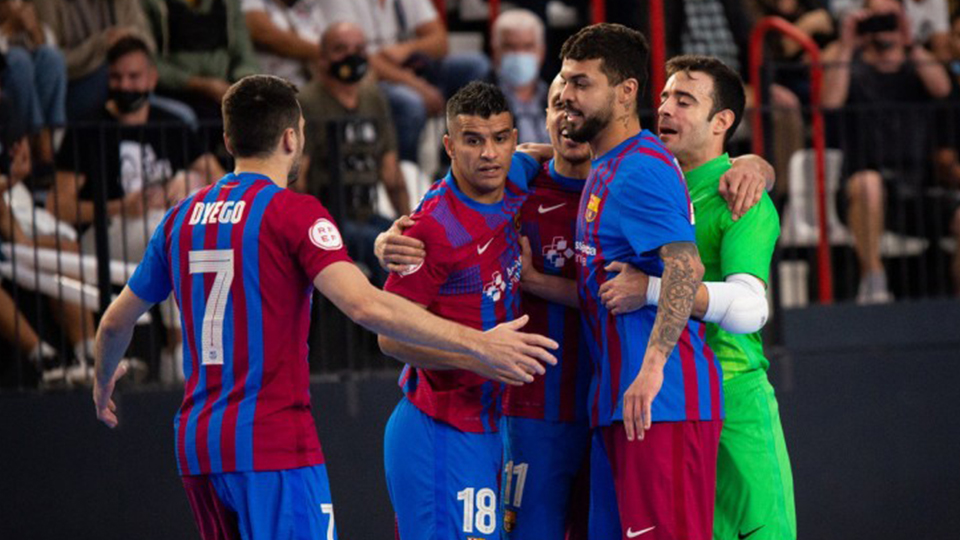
{"type": "Point", "coordinates": [754, 482]}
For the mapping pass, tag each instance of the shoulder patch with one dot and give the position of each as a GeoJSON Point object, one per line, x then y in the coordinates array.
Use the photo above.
{"type": "Point", "coordinates": [324, 235]}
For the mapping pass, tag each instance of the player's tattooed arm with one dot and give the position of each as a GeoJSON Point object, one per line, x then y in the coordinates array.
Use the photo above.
{"type": "Point", "coordinates": [682, 273]}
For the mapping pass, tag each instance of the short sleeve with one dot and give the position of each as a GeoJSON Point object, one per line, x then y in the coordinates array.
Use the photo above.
{"type": "Point", "coordinates": [311, 234]}
{"type": "Point", "coordinates": [252, 5]}
{"type": "Point", "coordinates": [418, 12]}
{"type": "Point", "coordinates": [422, 284]}
{"type": "Point", "coordinates": [747, 245]}
{"type": "Point", "coordinates": [151, 281]}
{"type": "Point", "coordinates": [655, 207]}
{"type": "Point", "coordinates": [523, 169]}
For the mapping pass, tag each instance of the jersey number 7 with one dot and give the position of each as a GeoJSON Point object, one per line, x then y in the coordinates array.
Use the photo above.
{"type": "Point", "coordinates": [220, 262]}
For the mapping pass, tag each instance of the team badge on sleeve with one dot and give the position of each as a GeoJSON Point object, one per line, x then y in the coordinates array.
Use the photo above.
{"type": "Point", "coordinates": [325, 235]}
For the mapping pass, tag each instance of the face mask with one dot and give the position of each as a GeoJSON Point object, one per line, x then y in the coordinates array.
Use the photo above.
{"type": "Point", "coordinates": [128, 101]}
{"type": "Point", "coordinates": [518, 69]}
{"type": "Point", "coordinates": [882, 45]}
{"type": "Point", "coordinates": [349, 70]}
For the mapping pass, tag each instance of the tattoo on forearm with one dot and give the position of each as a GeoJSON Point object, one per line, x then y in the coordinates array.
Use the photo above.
{"type": "Point", "coordinates": [681, 277]}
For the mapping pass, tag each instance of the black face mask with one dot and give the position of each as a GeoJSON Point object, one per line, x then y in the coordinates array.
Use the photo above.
{"type": "Point", "coordinates": [128, 101]}
{"type": "Point", "coordinates": [883, 45]}
{"type": "Point", "coordinates": [349, 70]}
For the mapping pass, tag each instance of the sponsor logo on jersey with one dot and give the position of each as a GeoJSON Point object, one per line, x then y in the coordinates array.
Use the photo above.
{"type": "Point", "coordinates": [481, 249]}
{"type": "Point", "coordinates": [499, 283]}
{"type": "Point", "coordinates": [592, 208]}
{"type": "Point", "coordinates": [544, 209]}
{"type": "Point", "coordinates": [633, 534]}
{"type": "Point", "coordinates": [558, 252]}
{"type": "Point", "coordinates": [584, 252]}
{"type": "Point", "coordinates": [325, 235]}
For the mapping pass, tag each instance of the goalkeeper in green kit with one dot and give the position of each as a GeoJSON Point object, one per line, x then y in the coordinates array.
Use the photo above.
{"type": "Point", "coordinates": [702, 104]}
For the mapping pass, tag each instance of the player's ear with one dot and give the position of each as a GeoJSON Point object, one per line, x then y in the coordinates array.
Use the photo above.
{"type": "Point", "coordinates": [289, 141]}
{"type": "Point", "coordinates": [627, 92]}
{"type": "Point", "coordinates": [227, 145]}
{"type": "Point", "coordinates": [722, 121]}
{"type": "Point", "coordinates": [448, 145]}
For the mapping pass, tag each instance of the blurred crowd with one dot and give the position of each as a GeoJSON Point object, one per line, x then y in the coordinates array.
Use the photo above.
{"type": "Point", "coordinates": [110, 111]}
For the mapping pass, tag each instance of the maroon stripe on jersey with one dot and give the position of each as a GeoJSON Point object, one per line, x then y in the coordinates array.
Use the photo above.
{"type": "Point", "coordinates": [688, 366]}
{"type": "Point", "coordinates": [213, 373]}
{"type": "Point", "coordinates": [189, 337]}
{"type": "Point", "coordinates": [569, 366]}
{"type": "Point", "coordinates": [714, 374]}
{"type": "Point", "coordinates": [680, 474]}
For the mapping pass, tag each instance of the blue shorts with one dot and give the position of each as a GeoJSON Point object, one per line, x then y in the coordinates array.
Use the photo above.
{"type": "Point", "coordinates": [443, 482]}
{"type": "Point", "coordinates": [293, 503]}
{"type": "Point", "coordinates": [542, 460]}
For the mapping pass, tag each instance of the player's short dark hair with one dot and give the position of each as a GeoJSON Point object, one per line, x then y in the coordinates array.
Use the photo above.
{"type": "Point", "coordinates": [728, 92]}
{"type": "Point", "coordinates": [477, 99]}
{"type": "Point", "coordinates": [256, 111]}
{"type": "Point", "coordinates": [128, 45]}
{"type": "Point", "coordinates": [623, 52]}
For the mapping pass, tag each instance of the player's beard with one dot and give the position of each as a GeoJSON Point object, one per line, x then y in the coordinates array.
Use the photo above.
{"type": "Point", "coordinates": [590, 128]}
{"type": "Point", "coordinates": [294, 172]}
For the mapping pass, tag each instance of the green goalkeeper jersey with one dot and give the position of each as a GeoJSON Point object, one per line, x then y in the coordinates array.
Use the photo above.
{"type": "Point", "coordinates": [730, 247]}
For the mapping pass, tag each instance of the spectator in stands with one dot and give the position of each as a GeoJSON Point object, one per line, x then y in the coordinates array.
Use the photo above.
{"type": "Point", "coordinates": [146, 157]}
{"type": "Point", "coordinates": [518, 43]}
{"type": "Point", "coordinates": [203, 46]}
{"type": "Point", "coordinates": [368, 159]}
{"type": "Point", "coordinates": [84, 30]}
{"type": "Point", "coordinates": [887, 84]}
{"type": "Point", "coordinates": [35, 78]}
{"type": "Point", "coordinates": [409, 54]}
{"type": "Point", "coordinates": [285, 34]}
{"type": "Point", "coordinates": [76, 322]}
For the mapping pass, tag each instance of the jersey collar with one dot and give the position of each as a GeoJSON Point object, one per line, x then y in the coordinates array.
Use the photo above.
{"type": "Point", "coordinates": [707, 176]}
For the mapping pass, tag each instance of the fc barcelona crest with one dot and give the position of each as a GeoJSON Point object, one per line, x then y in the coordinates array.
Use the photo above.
{"type": "Point", "coordinates": [592, 208]}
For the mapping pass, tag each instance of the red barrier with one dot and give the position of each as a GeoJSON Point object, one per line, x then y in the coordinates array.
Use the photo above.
{"type": "Point", "coordinates": [760, 31]}
{"type": "Point", "coordinates": [658, 50]}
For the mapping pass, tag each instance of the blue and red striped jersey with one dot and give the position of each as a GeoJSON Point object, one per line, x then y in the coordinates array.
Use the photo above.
{"type": "Point", "coordinates": [634, 202]}
{"type": "Point", "coordinates": [549, 220]}
{"type": "Point", "coordinates": [240, 257]}
{"type": "Point", "coordinates": [471, 275]}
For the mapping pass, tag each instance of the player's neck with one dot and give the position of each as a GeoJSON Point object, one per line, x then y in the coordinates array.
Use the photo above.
{"type": "Point", "coordinates": [618, 130]}
{"type": "Point", "coordinates": [580, 171]}
{"type": "Point", "coordinates": [489, 197]}
{"type": "Point", "coordinates": [276, 172]}
{"type": "Point", "coordinates": [696, 159]}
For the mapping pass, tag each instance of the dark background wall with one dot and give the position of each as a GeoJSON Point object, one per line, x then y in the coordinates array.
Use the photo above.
{"type": "Point", "coordinates": [868, 399]}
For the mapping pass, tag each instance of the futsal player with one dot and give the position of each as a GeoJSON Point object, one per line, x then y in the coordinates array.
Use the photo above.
{"type": "Point", "coordinates": [241, 256]}
{"type": "Point", "coordinates": [701, 106]}
{"type": "Point", "coordinates": [442, 448]}
{"type": "Point", "coordinates": [655, 398]}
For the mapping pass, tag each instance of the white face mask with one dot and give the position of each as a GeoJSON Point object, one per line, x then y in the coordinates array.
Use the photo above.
{"type": "Point", "coordinates": [518, 69]}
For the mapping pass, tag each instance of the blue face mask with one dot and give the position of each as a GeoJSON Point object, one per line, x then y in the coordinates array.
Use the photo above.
{"type": "Point", "coordinates": [518, 69]}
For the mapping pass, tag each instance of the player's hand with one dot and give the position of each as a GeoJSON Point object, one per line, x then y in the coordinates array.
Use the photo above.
{"type": "Point", "coordinates": [515, 354]}
{"type": "Point", "coordinates": [103, 397]}
{"type": "Point", "coordinates": [538, 151]}
{"type": "Point", "coordinates": [638, 400]}
{"type": "Point", "coordinates": [627, 291]}
{"type": "Point", "coordinates": [742, 186]}
{"type": "Point", "coordinates": [398, 253]}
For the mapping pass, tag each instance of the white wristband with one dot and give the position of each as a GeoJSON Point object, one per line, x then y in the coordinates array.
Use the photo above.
{"type": "Point", "coordinates": [653, 291]}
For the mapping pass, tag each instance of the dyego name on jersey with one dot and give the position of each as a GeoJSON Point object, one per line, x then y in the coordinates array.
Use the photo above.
{"type": "Point", "coordinates": [210, 213]}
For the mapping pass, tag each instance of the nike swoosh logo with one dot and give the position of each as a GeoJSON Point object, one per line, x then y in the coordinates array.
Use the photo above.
{"type": "Point", "coordinates": [632, 534]}
{"type": "Point", "coordinates": [480, 250]}
{"type": "Point", "coordinates": [544, 210]}
{"type": "Point", "coordinates": [741, 536]}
